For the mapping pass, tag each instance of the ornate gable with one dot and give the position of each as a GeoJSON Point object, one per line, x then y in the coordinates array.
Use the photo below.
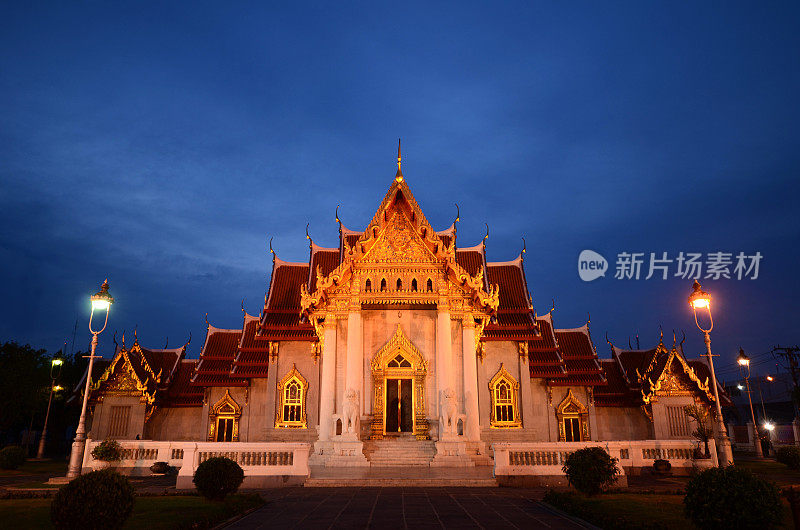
{"type": "Point", "coordinates": [399, 258]}
{"type": "Point", "coordinates": [670, 375]}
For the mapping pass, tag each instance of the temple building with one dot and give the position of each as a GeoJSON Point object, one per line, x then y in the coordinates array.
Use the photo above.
{"type": "Point", "coordinates": [398, 347]}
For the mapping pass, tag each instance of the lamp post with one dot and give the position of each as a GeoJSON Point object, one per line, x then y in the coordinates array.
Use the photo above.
{"type": "Point", "coordinates": [744, 367]}
{"type": "Point", "coordinates": [55, 372]}
{"type": "Point", "coordinates": [101, 301]}
{"type": "Point", "coordinates": [700, 299]}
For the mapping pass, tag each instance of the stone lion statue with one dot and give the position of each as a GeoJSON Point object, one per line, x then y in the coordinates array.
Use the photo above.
{"type": "Point", "coordinates": [449, 417]}
{"type": "Point", "coordinates": [350, 411]}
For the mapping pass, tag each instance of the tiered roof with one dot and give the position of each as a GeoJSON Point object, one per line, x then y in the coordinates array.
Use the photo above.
{"type": "Point", "coordinates": [636, 376]}
{"type": "Point", "coordinates": [150, 372]}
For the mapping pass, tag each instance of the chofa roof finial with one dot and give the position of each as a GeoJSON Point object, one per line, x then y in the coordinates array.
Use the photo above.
{"type": "Point", "coordinates": [399, 175]}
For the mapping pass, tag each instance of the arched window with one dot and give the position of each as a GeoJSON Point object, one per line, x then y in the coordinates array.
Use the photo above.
{"type": "Point", "coordinates": [573, 419]}
{"type": "Point", "coordinates": [383, 285]}
{"type": "Point", "coordinates": [368, 286]}
{"type": "Point", "coordinates": [414, 285]}
{"type": "Point", "coordinates": [223, 424]}
{"type": "Point", "coordinates": [503, 392]}
{"type": "Point", "coordinates": [292, 391]}
{"type": "Point", "coordinates": [399, 284]}
{"type": "Point", "coordinates": [429, 286]}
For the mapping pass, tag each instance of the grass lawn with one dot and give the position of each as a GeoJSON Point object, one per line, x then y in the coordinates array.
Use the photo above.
{"type": "Point", "coordinates": [54, 467]}
{"type": "Point", "coordinates": [771, 470]}
{"type": "Point", "coordinates": [151, 513]}
{"type": "Point", "coordinates": [632, 510]}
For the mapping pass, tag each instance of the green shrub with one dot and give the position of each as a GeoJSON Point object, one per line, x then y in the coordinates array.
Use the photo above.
{"type": "Point", "coordinates": [217, 477]}
{"type": "Point", "coordinates": [100, 499]}
{"type": "Point", "coordinates": [590, 470]}
{"type": "Point", "coordinates": [789, 456]}
{"type": "Point", "coordinates": [731, 497]}
{"type": "Point", "coordinates": [108, 451]}
{"type": "Point", "coordinates": [12, 457]}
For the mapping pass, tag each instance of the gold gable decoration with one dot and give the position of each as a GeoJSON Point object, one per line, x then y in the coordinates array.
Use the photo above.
{"type": "Point", "coordinates": [395, 260]}
{"type": "Point", "coordinates": [668, 381]}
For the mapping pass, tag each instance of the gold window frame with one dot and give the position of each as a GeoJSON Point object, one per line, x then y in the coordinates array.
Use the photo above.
{"type": "Point", "coordinates": [571, 407]}
{"type": "Point", "coordinates": [293, 377]}
{"type": "Point", "coordinates": [225, 408]}
{"type": "Point", "coordinates": [503, 377]}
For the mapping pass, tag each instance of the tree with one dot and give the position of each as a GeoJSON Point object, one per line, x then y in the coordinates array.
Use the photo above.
{"type": "Point", "coordinates": [702, 418]}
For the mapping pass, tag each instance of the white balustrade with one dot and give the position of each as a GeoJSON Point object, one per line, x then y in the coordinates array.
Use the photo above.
{"type": "Point", "coordinates": [255, 459]}
{"type": "Point", "coordinates": [547, 458]}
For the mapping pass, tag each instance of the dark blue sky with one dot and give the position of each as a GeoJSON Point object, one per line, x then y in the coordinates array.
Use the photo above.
{"type": "Point", "coordinates": [160, 145]}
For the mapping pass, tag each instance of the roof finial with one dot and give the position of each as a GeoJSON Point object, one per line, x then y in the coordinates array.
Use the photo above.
{"type": "Point", "coordinates": [272, 251]}
{"type": "Point", "coordinates": [399, 176]}
{"type": "Point", "coordinates": [310, 241]}
{"type": "Point", "coordinates": [485, 237]}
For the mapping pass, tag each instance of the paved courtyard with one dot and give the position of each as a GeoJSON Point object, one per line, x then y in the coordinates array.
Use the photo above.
{"type": "Point", "coordinates": [411, 508]}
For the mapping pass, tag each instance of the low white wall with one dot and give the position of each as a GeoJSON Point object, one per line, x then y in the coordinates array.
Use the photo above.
{"type": "Point", "coordinates": [547, 458]}
{"type": "Point", "coordinates": [284, 462]}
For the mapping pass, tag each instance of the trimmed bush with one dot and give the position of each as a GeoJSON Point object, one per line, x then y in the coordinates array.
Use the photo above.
{"type": "Point", "coordinates": [160, 468]}
{"type": "Point", "coordinates": [732, 497]}
{"type": "Point", "coordinates": [12, 457]}
{"type": "Point", "coordinates": [108, 451]}
{"type": "Point", "coordinates": [590, 470]}
{"type": "Point", "coordinates": [789, 456]}
{"type": "Point", "coordinates": [100, 499]}
{"type": "Point", "coordinates": [217, 477]}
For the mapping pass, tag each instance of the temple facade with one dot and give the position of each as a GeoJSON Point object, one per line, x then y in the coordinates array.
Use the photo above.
{"type": "Point", "coordinates": [399, 338]}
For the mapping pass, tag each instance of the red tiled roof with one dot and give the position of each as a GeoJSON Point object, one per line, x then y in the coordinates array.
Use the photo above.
{"type": "Point", "coordinates": [580, 358]}
{"type": "Point", "coordinates": [284, 289]}
{"type": "Point", "coordinates": [216, 359]}
{"type": "Point", "coordinates": [181, 393]}
{"type": "Point", "coordinates": [470, 260]}
{"type": "Point", "coordinates": [615, 393]}
{"type": "Point", "coordinates": [326, 259]}
{"type": "Point", "coordinates": [513, 293]}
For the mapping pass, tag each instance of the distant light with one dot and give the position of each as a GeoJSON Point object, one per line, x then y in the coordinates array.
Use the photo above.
{"type": "Point", "coordinates": [770, 378]}
{"type": "Point", "coordinates": [58, 362]}
{"type": "Point", "coordinates": [740, 387]}
{"type": "Point", "coordinates": [768, 425]}
{"type": "Point", "coordinates": [58, 388]}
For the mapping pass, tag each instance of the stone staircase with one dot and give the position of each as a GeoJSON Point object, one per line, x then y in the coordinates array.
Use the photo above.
{"type": "Point", "coordinates": [400, 451]}
{"type": "Point", "coordinates": [480, 453]}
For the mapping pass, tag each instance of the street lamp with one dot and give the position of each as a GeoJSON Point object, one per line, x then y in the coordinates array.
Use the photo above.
{"type": "Point", "coordinates": [101, 301]}
{"type": "Point", "coordinates": [55, 372]}
{"type": "Point", "coordinates": [700, 299]}
{"type": "Point", "coordinates": [744, 367]}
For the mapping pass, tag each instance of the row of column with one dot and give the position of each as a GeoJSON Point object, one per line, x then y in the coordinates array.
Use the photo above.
{"type": "Point", "coordinates": [354, 369]}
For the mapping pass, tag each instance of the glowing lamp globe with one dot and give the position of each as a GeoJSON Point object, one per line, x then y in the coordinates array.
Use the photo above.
{"type": "Point", "coordinates": [58, 362]}
{"type": "Point", "coordinates": [742, 359]}
{"type": "Point", "coordinates": [102, 300]}
{"type": "Point", "coordinates": [699, 299]}
{"type": "Point", "coordinates": [768, 425]}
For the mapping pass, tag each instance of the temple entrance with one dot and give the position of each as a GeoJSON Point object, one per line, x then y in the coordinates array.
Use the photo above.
{"type": "Point", "coordinates": [398, 376]}
{"type": "Point", "coordinates": [399, 406]}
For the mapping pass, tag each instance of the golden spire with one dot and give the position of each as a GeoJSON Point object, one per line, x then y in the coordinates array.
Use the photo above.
{"type": "Point", "coordinates": [399, 176]}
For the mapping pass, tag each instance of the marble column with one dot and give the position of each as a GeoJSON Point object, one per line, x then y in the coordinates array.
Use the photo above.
{"type": "Point", "coordinates": [354, 373]}
{"type": "Point", "coordinates": [473, 427]}
{"type": "Point", "coordinates": [328, 384]}
{"type": "Point", "coordinates": [526, 396]}
{"type": "Point", "coordinates": [444, 355]}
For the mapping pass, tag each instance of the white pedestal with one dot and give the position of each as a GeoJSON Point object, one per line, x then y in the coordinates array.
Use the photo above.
{"type": "Point", "coordinates": [451, 453]}
{"type": "Point", "coordinates": [347, 453]}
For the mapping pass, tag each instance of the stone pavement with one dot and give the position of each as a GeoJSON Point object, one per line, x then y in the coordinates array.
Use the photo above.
{"type": "Point", "coordinates": [407, 508]}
